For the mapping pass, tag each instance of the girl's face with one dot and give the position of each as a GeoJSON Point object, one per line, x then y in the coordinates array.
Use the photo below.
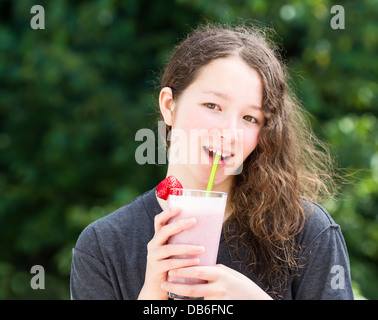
{"type": "Point", "coordinates": [220, 110]}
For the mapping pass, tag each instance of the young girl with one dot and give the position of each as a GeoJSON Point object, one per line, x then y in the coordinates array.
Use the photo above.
{"type": "Point", "coordinates": [229, 86]}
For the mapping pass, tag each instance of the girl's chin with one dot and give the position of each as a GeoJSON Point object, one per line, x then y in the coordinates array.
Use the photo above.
{"type": "Point", "coordinates": [219, 181]}
{"type": "Point", "coordinates": [200, 174]}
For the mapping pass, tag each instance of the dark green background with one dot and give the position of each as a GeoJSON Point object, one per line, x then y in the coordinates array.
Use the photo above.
{"type": "Point", "coordinates": [73, 96]}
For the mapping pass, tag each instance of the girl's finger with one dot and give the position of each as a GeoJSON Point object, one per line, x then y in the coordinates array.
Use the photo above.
{"type": "Point", "coordinates": [172, 228]}
{"type": "Point", "coordinates": [162, 218]}
{"type": "Point", "coordinates": [170, 264]}
{"type": "Point", "coordinates": [199, 272]}
{"type": "Point", "coordinates": [178, 250]}
{"type": "Point", "coordinates": [187, 290]}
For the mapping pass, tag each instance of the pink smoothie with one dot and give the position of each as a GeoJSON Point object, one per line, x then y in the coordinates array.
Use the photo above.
{"type": "Point", "coordinates": [209, 214]}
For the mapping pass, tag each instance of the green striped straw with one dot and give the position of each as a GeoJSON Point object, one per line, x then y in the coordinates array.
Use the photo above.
{"type": "Point", "coordinates": [213, 171]}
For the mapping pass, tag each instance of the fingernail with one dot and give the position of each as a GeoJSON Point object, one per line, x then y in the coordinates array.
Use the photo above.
{"type": "Point", "coordinates": [190, 221]}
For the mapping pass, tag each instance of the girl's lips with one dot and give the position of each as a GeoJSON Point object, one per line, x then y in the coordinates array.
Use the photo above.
{"type": "Point", "coordinates": [224, 157]}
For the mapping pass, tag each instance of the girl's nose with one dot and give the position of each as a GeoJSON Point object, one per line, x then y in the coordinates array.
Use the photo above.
{"type": "Point", "coordinates": [225, 138]}
{"type": "Point", "coordinates": [229, 130]}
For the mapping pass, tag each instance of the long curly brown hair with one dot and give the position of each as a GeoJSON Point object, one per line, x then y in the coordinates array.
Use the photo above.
{"type": "Point", "coordinates": [289, 165]}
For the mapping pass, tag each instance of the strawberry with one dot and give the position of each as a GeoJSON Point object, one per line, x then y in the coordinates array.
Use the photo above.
{"type": "Point", "coordinates": [164, 187]}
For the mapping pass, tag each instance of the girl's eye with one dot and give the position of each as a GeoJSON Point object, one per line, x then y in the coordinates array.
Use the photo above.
{"type": "Point", "coordinates": [250, 119]}
{"type": "Point", "coordinates": [212, 106]}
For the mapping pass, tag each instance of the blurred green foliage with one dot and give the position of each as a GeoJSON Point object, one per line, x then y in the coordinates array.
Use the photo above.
{"type": "Point", "coordinates": [73, 96]}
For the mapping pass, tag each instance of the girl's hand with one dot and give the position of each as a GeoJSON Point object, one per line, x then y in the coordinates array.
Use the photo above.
{"type": "Point", "coordinates": [223, 284]}
{"type": "Point", "coordinates": [158, 262]}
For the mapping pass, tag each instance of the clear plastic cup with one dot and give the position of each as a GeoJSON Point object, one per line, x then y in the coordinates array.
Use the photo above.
{"type": "Point", "coordinates": [208, 208]}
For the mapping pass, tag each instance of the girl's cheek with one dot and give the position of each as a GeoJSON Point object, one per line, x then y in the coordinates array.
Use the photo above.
{"type": "Point", "coordinates": [250, 142]}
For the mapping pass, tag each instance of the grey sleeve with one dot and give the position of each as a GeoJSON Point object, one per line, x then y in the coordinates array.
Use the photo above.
{"type": "Point", "coordinates": [326, 275]}
{"type": "Point", "coordinates": [89, 277]}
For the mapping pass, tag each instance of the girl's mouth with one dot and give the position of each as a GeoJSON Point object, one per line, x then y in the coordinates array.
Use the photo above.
{"type": "Point", "coordinates": [224, 157]}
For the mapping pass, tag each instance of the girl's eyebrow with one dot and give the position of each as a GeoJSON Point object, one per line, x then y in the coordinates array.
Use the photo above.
{"type": "Point", "coordinates": [217, 93]}
{"type": "Point", "coordinates": [226, 97]}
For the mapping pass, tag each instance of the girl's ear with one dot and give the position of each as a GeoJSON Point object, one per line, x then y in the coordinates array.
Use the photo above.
{"type": "Point", "coordinates": [167, 105]}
